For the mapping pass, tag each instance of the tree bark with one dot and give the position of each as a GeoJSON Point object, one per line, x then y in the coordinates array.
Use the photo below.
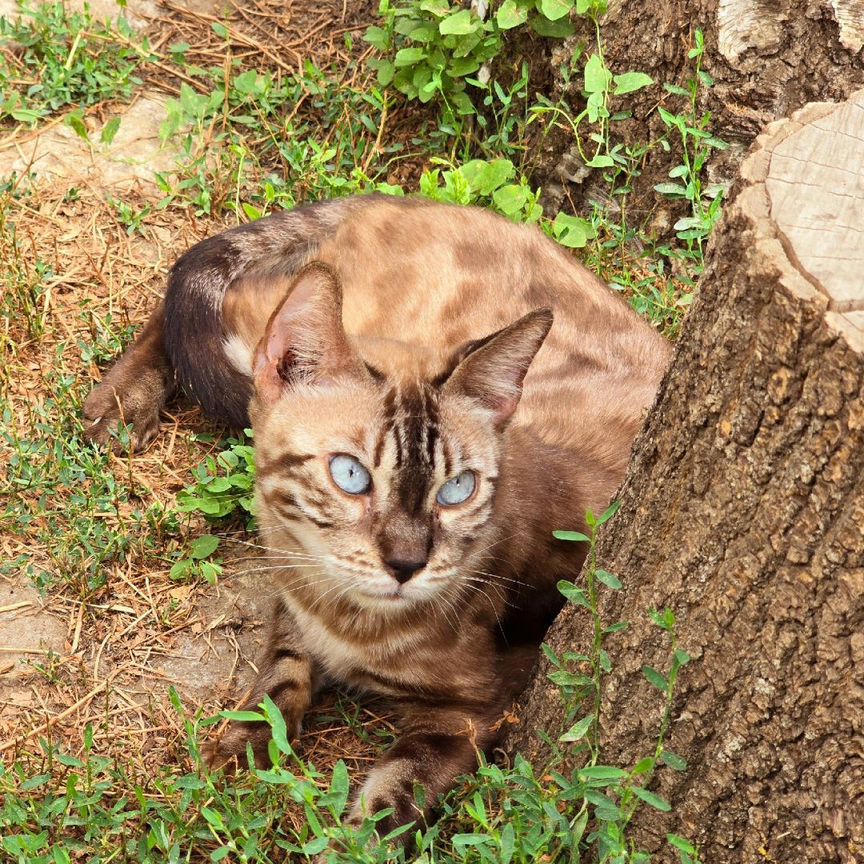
{"type": "Point", "coordinates": [768, 58]}
{"type": "Point", "coordinates": [743, 511]}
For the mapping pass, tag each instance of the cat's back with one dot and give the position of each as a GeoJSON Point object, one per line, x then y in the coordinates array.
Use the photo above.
{"type": "Point", "coordinates": [435, 275]}
{"type": "Point", "coordinates": [441, 275]}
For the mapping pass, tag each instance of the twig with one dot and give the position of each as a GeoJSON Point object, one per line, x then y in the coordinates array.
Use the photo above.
{"type": "Point", "coordinates": [5, 650]}
{"type": "Point", "coordinates": [13, 606]}
{"type": "Point", "coordinates": [377, 145]}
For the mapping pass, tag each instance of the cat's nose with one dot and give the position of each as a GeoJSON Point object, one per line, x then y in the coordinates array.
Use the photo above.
{"type": "Point", "coordinates": [401, 570]}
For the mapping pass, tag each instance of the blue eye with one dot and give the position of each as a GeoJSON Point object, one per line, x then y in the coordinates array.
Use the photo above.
{"type": "Point", "coordinates": [349, 475]}
{"type": "Point", "coordinates": [457, 490]}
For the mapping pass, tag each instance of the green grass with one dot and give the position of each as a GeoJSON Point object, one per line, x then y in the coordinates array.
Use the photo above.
{"type": "Point", "coordinates": [52, 58]}
{"type": "Point", "coordinates": [67, 498]}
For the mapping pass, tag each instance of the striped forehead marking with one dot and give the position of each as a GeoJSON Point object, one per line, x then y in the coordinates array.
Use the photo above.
{"type": "Point", "coordinates": [411, 421]}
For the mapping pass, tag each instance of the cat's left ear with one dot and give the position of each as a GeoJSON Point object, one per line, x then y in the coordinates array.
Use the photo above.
{"type": "Point", "coordinates": [493, 369]}
{"type": "Point", "coordinates": [305, 341]}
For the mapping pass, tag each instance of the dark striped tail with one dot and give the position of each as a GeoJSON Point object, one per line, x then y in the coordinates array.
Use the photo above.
{"type": "Point", "coordinates": [279, 244]}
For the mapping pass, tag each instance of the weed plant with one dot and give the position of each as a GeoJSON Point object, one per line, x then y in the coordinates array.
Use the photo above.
{"type": "Point", "coordinates": [53, 58]}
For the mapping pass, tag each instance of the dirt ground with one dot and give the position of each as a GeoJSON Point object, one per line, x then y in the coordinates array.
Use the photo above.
{"type": "Point", "coordinates": [70, 656]}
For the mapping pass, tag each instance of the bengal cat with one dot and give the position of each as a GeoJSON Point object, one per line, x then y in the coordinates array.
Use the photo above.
{"type": "Point", "coordinates": [421, 427]}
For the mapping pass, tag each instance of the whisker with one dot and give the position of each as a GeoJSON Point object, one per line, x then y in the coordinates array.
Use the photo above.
{"type": "Point", "coordinates": [318, 599]}
{"type": "Point", "coordinates": [294, 583]}
{"type": "Point", "coordinates": [494, 610]}
{"type": "Point", "coordinates": [496, 588]}
{"type": "Point", "coordinates": [285, 553]}
{"type": "Point", "coordinates": [438, 598]}
{"type": "Point", "coordinates": [450, 602]}
{"type": "Point", "coordinates": [351, 583]}
{"type": "Point", "coordinates": [503, 578]}
{"type": "Point", "coordinates": [270, 569]}
{"type": "Point", "coordinates": [505, 561]}
{"type": "Point", "coordinates": [498, 542]}
{"type": "Point", "coordinates": [280, 558]}
{"type": "Point", "coordinates": [262, 546]}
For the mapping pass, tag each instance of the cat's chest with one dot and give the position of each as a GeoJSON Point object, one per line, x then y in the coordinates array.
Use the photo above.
{"type": "Point", "coordinates": [407, 660]}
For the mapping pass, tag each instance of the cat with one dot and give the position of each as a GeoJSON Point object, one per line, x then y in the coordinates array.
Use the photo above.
{"type": "Point", "coordinates": [433, 390]}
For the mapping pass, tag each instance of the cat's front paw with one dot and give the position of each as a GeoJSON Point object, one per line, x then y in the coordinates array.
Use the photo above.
{"type": "Point", "coordinates": [228, 752]}
{"type": "Point", "coordinates": [375, 797]}
{"type": "Point", "coordinates": [389, 786]}
{"type": "Point", "coordinates": [122, 399]}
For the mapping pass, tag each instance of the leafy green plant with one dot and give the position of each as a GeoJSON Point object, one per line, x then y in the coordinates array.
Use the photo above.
{"type": "Point", "coordinates": [196, 561]}
{"type": "Point", "coordinates": [605, 93]}
{"type": "Point", "coordinates": [571, 231]}
{"type": "Point", "coordinates": [496, 184]}
{"type": "Point", "coordinates": [53, 482]}
{"type": "Point", "coordinates": [652, 287]}
{"type": "Point", "coordinates": [106, 336]}
{"type": "Point", "coordinates": [502, 117]}
{"type": "Point", "coordinates": [658, 278]}
{"type": "Point", "coordinates": [26, 293]}
{"type": "Point", "coordinates": [244, 149]}
{"type": "Point", "coordinates": [697, 143]}
{"type": "Point", "coordinates": [483, 183]}
{"type": "Point", "coordinates": [223, 487]}
{"type": "Point", "coordinates": [223, 483]}
{"type": "Point", "coordinates": [51, 57]}
{"type": "Point", "coordinates": [433, 48]}
{"type": "Point", "coordinates": [612, 795]}
{"type": "Point", "coordinates": [602, 89]}
{"type": "Point", "coordinates": [132, 218]}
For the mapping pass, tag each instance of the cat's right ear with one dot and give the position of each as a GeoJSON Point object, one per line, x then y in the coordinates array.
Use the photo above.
{"type": "Point", "coordinates": [305, 341]}
{"type": "Point", "coordinates": [492, 370]}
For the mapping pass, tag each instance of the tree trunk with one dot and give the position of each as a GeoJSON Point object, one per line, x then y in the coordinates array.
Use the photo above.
{"type": "Point", "coordinates": [743, 511]}
{"type": "Point", "coordinates": [768, 58]}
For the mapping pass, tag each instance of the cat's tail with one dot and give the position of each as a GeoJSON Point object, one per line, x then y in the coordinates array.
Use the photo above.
{"type": "Point", "coordinates": [195, 335]}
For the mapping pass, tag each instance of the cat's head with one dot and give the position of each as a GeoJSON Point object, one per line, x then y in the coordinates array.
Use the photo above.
{"type": "Point", "coordinates": [387, 484]}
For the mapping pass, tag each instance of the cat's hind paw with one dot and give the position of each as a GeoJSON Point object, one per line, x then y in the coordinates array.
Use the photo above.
{"type": "Point", "coordinates": [108, 407]}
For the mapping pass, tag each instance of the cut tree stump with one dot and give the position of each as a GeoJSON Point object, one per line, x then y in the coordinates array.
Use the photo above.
{"type": "Point", "coordinates": [743, 511]}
